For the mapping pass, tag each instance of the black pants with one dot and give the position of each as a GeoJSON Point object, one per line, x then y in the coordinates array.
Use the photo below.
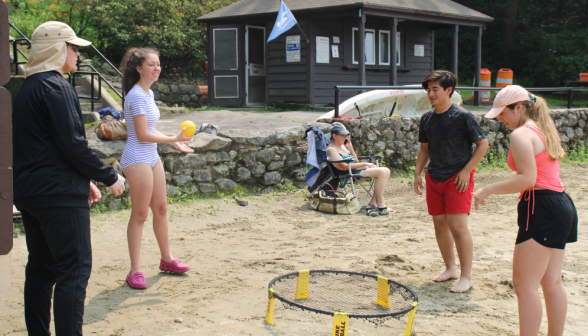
{"type": "Point", "coordinates": [60, 255]}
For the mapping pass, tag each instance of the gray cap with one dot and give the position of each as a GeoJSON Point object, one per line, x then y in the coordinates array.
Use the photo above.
{"type": "Point", "coordinates": [339, 128]}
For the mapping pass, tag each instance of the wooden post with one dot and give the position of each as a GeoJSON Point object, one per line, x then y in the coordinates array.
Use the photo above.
{"type": "Point", "coordinates": [454, 50]}
{"type": "Point", "coordinates": [393, 51]}
{"type": "Point", "coordinates": [478, 65]}
{"type": "Point", "coordinates": [5, 137]}
{"type": "Point", "coordinates": [361, 54]}
{"type": "Point", "coordinates": [310, 60]}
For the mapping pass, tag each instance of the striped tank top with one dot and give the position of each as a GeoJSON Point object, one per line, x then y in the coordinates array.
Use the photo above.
{"type": "Point", "coordinates": [138, 102]}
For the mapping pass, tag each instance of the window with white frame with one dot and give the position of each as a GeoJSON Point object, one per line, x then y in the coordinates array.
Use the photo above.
{"type": "Point", "coordinates": [384, 47]}
{"type": "Point", "coordinates": [369, 46]}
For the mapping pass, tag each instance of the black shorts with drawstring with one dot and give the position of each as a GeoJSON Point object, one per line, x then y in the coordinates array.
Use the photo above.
{"type": "Point", "coordinates": [551, 220]}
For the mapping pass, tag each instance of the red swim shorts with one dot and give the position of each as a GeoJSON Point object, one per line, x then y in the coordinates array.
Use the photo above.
{"type": "Point", "coordinates": [443, 198]}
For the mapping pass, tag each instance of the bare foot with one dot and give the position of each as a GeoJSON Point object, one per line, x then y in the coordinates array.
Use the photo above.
{"type": "Point", "coordinates": [462, 286]}
{"type": "Point", "coordinates": [447, 275]}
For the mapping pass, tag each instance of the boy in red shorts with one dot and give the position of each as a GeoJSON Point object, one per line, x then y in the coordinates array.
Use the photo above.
{"type": "Point", "coordinates": [446, 134]}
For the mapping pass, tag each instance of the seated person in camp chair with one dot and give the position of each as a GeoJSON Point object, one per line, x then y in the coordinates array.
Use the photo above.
{"type": "Point", "coordinates": [341, 148]}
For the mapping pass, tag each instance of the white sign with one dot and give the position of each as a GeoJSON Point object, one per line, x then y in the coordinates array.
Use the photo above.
{"type": "Point", "coordinates": [322, 49]}
{"type": "Point", "coordinates": [293, 48]}
{"type": "Point", "coordinates": [336, 39]}
{"type": "Point", "coordinates": [335, 51]}
{"type": "Point", "coordinates": [419, 50]}
{"type": "Point", "coordinates": [256, 69]}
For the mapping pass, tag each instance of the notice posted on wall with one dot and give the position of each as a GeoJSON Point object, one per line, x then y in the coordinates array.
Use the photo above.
{"type": "Point", "coordinates": [256, 69]}
{"type": "Point", "coordinates": [293, 48]}
{"type": "Point", "coordinates": [335, 51]}
{"type": "Point", "coordinates": [322, 49]}
{"type": "Point", "coordinates": [419, 50]}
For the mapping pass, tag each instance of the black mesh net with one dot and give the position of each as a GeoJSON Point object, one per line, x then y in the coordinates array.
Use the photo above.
{"type": "Point", "coordinates": [352, 293]}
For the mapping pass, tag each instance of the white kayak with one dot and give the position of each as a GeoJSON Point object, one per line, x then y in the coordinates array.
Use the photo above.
{"type": "Point", "coordinates": [385, 103]}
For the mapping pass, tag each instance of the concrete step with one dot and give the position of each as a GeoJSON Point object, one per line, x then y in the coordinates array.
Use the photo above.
{"type": "Point", "coordinates": [90, 117]}
{"type": "Point", "coordinates": [80, 89]}
{"type": "Point", "coordinates": [86, 106]}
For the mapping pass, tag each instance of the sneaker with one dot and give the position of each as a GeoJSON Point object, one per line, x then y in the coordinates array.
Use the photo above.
{"type": "Point", "coordinates": [175, 266]}
{"type": "Point", "coordinates": [137, 280]}
{"type": "Point", "coordinates": [373, 212]}
{"type": "Point", "coordinates": [383, 211]}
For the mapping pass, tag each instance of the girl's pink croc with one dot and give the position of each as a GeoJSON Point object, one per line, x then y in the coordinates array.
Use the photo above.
{"type": "Point", "coordinates": [175, 266]}
{"type": "Point", "coordinates": [137, 280]}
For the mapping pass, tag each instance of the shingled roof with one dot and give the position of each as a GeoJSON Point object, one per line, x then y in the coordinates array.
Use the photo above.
{"type": "Point", "coordinates": [433, 7]}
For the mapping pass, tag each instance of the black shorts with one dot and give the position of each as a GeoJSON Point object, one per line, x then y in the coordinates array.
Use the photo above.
{"type": "Point", "coordinates": [554, 221]}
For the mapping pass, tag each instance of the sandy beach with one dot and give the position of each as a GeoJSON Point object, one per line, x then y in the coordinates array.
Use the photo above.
{"type": "Point", "coordinates": [235, 251]}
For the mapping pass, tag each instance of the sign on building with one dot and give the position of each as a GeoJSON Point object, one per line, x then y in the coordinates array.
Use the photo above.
{"type": "Point", "coordinates": [293, 48]}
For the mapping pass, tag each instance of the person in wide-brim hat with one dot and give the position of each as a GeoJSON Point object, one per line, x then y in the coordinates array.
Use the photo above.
{"type": "Point", "coordinates": [52, 170]}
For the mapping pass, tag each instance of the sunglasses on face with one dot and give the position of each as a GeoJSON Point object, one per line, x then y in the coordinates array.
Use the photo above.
{"type": "Point", "coordinates": [74, 47]}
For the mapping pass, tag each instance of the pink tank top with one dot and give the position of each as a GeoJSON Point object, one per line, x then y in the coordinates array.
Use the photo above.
{"type": "Point", "coordinates": [547, 173]}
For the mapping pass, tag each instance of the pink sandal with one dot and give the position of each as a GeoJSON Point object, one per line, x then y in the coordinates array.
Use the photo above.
{"type": "Point", "coordinates": [137, 280]}
{"type": "Point", "coordinates": [175, 266]}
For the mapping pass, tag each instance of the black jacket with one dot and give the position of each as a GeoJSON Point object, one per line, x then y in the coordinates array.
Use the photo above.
{"type": "Point", "coordinates": [52, 163]}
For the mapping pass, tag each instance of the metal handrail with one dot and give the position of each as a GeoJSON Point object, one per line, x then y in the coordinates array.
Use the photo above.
{"type": "Point", "coordinates": [339, 88]}
{"type": "Point", "coordinates": [16, 50]}
{"type": "Point", "coordinates": [72, 80]}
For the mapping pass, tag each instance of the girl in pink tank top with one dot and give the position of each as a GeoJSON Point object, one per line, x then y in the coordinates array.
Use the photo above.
{"type": "Point", "coordinates": [547, 217]}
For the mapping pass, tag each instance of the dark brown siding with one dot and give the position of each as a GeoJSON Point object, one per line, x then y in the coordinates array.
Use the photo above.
{"type": "Point", "coordinates": [287, 80]}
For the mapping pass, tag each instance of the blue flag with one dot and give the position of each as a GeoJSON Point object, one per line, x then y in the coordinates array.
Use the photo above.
{"type": "Point", "coordinates": [284, 22]}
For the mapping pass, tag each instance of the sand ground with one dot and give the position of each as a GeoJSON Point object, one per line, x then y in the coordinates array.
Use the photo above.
{"type": "Point", "coordinates": [235, 251]}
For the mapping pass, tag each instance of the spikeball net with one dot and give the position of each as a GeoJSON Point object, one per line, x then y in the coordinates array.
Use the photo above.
{"type": "Point", "coordinates": [343, 295]}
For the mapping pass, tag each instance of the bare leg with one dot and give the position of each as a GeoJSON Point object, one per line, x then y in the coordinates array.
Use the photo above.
{"type": "Point", "coordinates": [381, 175]}
{"type": "Point", "coordinates": [445, 243]}
{"type": "Point", "coordinates": [458, 225]}
{"type": "Point", "coordinates": [159, 209]}
{"type": "Point", "coordinates": [556, 300]}
{"type": "Point", "coordinates": [529, 265]}
{"type": "Point", "coordinates": [140, 178]}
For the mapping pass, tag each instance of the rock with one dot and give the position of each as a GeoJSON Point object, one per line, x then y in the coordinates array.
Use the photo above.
{"type": "Point", "coordinates": [257, 170]}
{"type": "Point", "coordinates": [570, 132]}
{"type": "Point", "coordinates": [578, 133]}
{"type": "Point", "coordinates": [379, 146]}
{"type": "Point", "coordinates": [226, 184]}
{"type": "Point", "coordinates": [168, 177]}
{"type": "Point", "coordinates": [292, 159]}
{"type": "Point", "coordinates": [220, 170]}
{"type": "Point", "coordinates": [241, 201]}
{"type": "Point", "coordinates": [259, 138]}
{"type": "Point", "coordinates": [185, 98]}
{"type": "Point", "coordinates": [178, 320]}
{"type": "Point", "coordinates": [107, 149]}
{"type": "Point", "coordinates": [265, 155]}
{"type": "Point", "coordinates": [207, 187]}
{"type": "Point", "coordinates": [372, 136]}
{"type": "Point", "coordinates": [202, 175]}
{"type": "Point", "coordinates": [399, 144]}
{"type": "Point", "coordinates": [572, 120]}
{"type": "Point", "coordinates": [271, 178]}
{"type": "Point", "coordinates": [288, 134]}
{"type": "Point", "coordinates": [242, 174]}
{"type": "Point", "coordinates": [216, 157]}
{"type": "Point", "coordinates": [301, 149]}
{"type": "Point", "coordinates": [356, 133]}
{"type": "Point", "coordinates": [189, 89]}
{"type": "Point", "coordinates": [171, 190]}
{"type": "Point", "coordinates": [388, 133]}
{"type": "Point", "coordinates": [564, 138]}
{"type": "Point", "coordinates": [564, 114]}
{"type": "Point", "coordinates": [324, 127]}
{"type": "Point", "coordinates": [181, 180]}
{"type": "Point", "coordinates": [163, 88]}
{"type": "Point", "coordinates": [203, 142]}
{"type": "Point", "coordinates": [582, 123]}
{"type": "Point", "coordinates": [194, 98]}
{"type": "Point", "coordinates": [275, 165]}
{"type": "Point", "coordinates": [299, 175]}
{"type": "Point", "coordinates": [491, 136]}
{"type": "Point", "coordinates": [558, 122]}
{"type": "Point", "coordinates": [399, 135]}
{"type": "Point", "coordinates": [159, 103]}
{"type": "Point", "coordinates": [388, 153]}
{"type": "Point", "coordinates": [411, 136]}
{"type": "Point", "coordinates": [115, 204]}
{"type": "Point", "coordinates": [493, 125]}
{"type": "Point", "coordinates": [190, 161]}
{"type": "Point", "coordinates": [173, 110]}
{"type": "Point", "coordinates": [165, 148]}
{"type": "Point", "coordinates": [248, 160]}
{"type": "Point", "coordinates": [174, 88]}
{"type": "Point", "coordinates": [232, 155]}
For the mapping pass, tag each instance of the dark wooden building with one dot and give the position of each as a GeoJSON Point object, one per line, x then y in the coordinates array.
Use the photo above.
{"type": "Point", "coordinates": [398, 47]}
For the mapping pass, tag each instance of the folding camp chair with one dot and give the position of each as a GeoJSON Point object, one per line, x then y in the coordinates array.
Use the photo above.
{"type": "Point", "coordinates": [350, 180]}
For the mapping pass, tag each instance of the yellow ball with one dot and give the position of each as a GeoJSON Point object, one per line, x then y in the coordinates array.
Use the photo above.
{"type": "Point", "coordinates": [190, 128]}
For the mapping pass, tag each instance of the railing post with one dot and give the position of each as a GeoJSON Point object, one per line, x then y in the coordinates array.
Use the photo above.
{"type": "Point", "coordinates": [92, 93]}
{"type": "Point", "coordinates": [337, 102]}
{"type": "Point", "coordinates": [15, 58]}
{"type": "Point", "coordinates": [570, 93]}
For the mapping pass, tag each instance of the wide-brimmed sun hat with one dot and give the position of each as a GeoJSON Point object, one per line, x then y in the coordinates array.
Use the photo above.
{"type": "Point", "coordinates": [338, 128]}
{"type": "Point", "coordinates": [49, 47]}
{"type": "Point", "coordinates": [509, 95]}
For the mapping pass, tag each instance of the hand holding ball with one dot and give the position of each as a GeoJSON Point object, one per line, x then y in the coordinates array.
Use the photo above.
{"type": "Point", "coordinates": [190, 128]}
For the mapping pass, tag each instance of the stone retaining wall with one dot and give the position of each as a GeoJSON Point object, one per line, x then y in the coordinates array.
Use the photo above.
{"type": "Point", "coordinates": [264, 159]}
{"type": "Point", "coordinates": [172, 93]}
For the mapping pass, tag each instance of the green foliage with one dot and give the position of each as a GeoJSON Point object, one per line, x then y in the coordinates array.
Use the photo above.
{"type": "Point", "coordinates": [577, 154]}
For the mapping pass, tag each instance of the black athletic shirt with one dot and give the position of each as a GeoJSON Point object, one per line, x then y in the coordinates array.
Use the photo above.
{"type": "Point", "coordinates": [52, 162]}
{"type": "Point", "coordinates": [450, 136]}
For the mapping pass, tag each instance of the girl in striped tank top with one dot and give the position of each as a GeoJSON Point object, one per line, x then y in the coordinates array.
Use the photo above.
{"type": "Point", "coordinates": [547, 217]}
{"type": "Point", "coordinates": [141, 163]}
